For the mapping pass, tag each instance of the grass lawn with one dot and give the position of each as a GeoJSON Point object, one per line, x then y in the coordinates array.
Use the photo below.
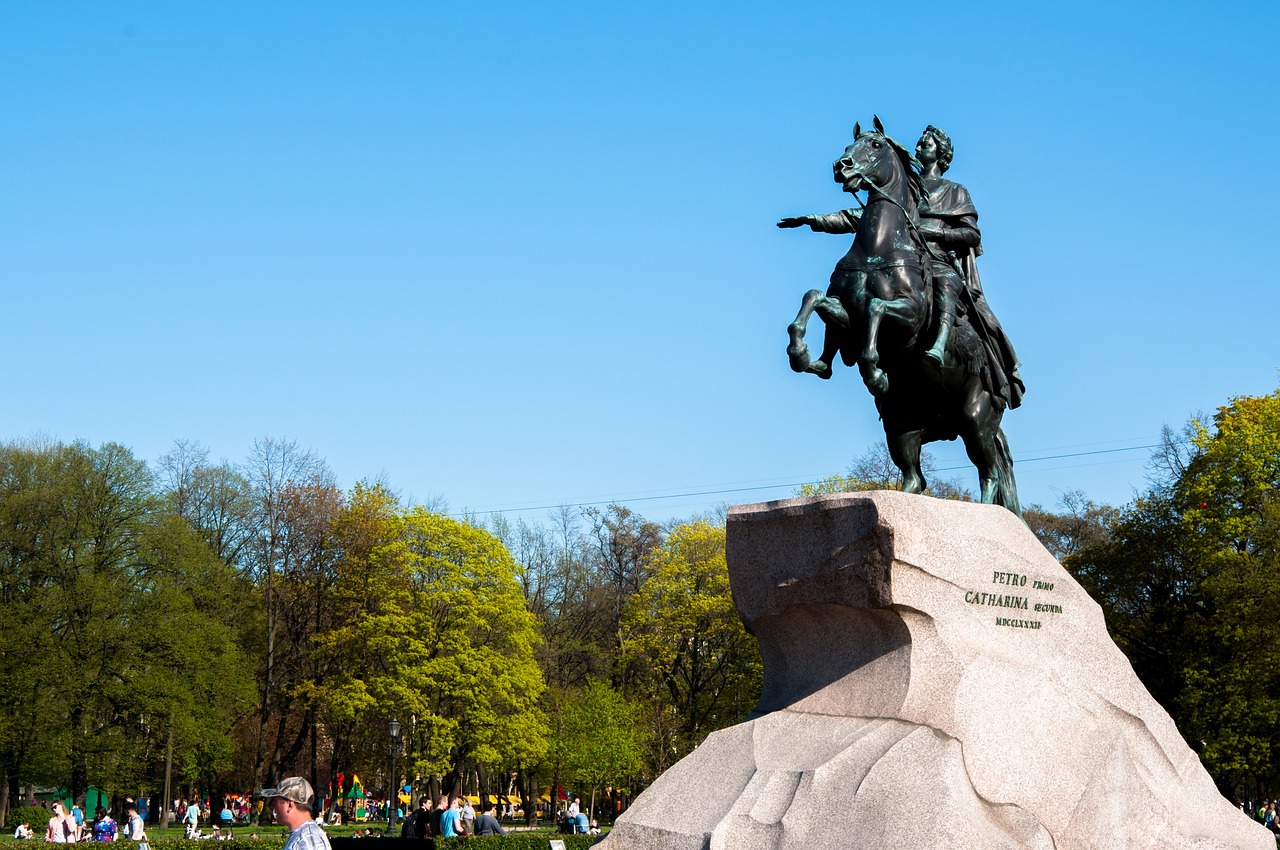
{"type": "Point", "coordinates": [173, 832]}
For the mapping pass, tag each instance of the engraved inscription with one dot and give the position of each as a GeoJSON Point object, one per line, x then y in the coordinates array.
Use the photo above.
{"type": "Point", "coordinates": [1014, 600]}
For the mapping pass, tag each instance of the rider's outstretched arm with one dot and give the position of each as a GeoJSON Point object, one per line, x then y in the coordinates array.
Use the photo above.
{"type": "Point", "coordinates": [844, 221]}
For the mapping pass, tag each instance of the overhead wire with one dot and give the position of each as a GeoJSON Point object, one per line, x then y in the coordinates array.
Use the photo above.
{"type": "Point", "coordinates": [795, 484]}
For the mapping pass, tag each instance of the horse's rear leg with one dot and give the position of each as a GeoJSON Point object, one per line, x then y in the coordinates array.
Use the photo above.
{"type": "Point", "coordinates": [980, 430]}
{"type": "Point", "coordinates": [904, 448]}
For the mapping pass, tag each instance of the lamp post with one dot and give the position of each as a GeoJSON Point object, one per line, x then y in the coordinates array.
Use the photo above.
{"type": "Point", "coordinates": [394, 728]}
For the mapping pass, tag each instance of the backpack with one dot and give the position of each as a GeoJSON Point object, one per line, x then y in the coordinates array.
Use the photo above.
{"type": "Point", "coordinates": [411, 828]}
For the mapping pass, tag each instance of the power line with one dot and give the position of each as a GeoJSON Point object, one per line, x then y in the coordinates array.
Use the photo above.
{"type": "Point", "coordinates": [794, 484]}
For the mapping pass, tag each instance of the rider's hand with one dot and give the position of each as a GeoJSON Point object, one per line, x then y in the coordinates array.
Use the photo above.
{"type": "Point", "coordinates": [796, 221]}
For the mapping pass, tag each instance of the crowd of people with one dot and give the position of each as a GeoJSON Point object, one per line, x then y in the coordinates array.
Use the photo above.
{"type": "Point", "coordinates": [574, 821]}
{"type": "Point", "coordinates": [69, 826]}
{"type": "Point", "coordinates": [1264, 813]}
{"type": "Point", "coordinates": [451, 816]}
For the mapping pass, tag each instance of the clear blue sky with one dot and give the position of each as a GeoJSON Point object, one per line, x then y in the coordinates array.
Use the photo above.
{"type": "Point", "coordinates": [519, 254]}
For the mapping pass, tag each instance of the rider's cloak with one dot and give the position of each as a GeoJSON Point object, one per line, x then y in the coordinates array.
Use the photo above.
{"type": "Point", "coordinates": [951, 202]}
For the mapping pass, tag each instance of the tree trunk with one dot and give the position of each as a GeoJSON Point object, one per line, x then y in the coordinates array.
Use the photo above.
{"type": "Point", "coordinates": [79, 760]}
{"type": "Point", "coordinates": [528, 798]}
{"type": "Point", "coordinates": [4, 797]}
{"type": "Point", "coordinates": [482, 780]}
{"type": "Point", "coordinates": [259, 761]}
{"type": "Point", "coordinates": [315, 761]}
{"type": "Point", "coordinates": [167, 803]}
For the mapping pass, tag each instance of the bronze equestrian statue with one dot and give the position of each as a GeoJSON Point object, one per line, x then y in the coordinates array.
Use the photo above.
{"type": "Point", "coordinates": [905, 304]}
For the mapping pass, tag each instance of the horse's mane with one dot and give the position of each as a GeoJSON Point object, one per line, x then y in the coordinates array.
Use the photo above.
{"type": "Point", "coordinates": [912, 166]}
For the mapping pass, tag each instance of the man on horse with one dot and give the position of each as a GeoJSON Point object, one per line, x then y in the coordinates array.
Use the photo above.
{"type": "Point", "coordinates": [949, 223]}
{"type": "Point", "coordinates": [905, 304]}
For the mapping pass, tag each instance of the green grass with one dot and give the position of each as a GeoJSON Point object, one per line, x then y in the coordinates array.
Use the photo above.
{"type": "Point", "coordinates": [279, 833]}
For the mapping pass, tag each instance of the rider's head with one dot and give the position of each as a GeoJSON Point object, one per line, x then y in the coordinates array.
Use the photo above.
{"type": "Point", "coordinates": [945, 149]}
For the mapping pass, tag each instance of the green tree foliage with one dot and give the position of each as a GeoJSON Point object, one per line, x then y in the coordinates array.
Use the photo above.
{"type": "Point", "coordinates": [446, 643]}
{"type": "Point", "coordinates": [601, 743]}
{"type": "Point", "coordinates": [1189, 583]}
{"type": "Point", "coordinates": [681, 633]}
{"type": "Point", "coordinates": [109, 600]}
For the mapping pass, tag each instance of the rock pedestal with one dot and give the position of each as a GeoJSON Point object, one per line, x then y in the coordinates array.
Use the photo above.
{"type": "Point", "coordinates": [933, 679]}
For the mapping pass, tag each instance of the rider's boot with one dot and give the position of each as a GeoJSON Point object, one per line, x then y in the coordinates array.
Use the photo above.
{"type": "Point", "coordinates": [939, 349]}
{"type": "Point", "coordinates": [945, 306]}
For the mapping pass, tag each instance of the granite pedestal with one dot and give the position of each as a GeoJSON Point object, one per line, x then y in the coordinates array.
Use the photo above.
{"type": "Point", "coordinates": [933, 679]}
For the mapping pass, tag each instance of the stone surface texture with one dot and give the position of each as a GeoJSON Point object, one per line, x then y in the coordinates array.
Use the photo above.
{"type": "Point", "coordinates": [904, 709]}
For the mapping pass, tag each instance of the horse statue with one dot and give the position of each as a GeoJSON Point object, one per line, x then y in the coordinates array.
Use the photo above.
{"type": "Point", "coordinates": [878, 314]}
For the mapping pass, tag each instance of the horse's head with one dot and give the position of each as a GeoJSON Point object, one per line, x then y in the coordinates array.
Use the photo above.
{"type": "Point", "coordinates": [874, 160]}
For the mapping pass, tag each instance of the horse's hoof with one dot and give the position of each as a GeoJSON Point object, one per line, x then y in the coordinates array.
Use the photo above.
{"type": "Point", "coordinates": [799, 357]}
{"type": "Point", "coordinates": [821, 369]}
{"type": "Point", "coordinates": [878, 383]}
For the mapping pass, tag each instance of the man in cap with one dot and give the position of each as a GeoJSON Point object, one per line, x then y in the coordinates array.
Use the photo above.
{"type": "Point", "coordinates": [291, 804]}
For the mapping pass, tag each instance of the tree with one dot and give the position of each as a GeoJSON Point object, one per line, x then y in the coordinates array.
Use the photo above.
{"type": "Point", "coordinates": [106, 597]}
{"type": "Point", "coordinates": [448, 646]}
{"type": "Point", "coordinates": [274, 466]}
{"type": "Point", "coordinates": [601, 743]}
{"type": "Point", "coordinates": [1082, 524]}
{"type": "Point", "coordinates": [874, 469]}
{"type": "Point", "coordinates": [215, 500]}
{"type": "Point", "coordinates": [683, 632]}
{"type": "Point", "coordinates": [363, 529]}
{"type": "Point", "coordinates": [1188, 581]}
{"type": "Point", "coordinates": [619, 561]}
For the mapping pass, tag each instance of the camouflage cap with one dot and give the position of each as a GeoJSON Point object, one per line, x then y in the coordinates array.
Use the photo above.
{"type": "Point", "coordinates": [295, 788]}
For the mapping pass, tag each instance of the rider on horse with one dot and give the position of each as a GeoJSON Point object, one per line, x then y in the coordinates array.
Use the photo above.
{"type": "Point", "coordinates": [892, 307]}
{"type": "Point", "coordinates": [949, 223]}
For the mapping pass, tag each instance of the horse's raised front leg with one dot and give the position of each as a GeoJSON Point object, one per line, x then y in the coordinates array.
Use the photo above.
{"type": "Point", "coordinates": [904, 310]}
{"type": "Point", "coordinates": [833, 316]}
{"type": "Point", "coordinates": [869, 361]}
{"type": "Point", "coordinates": [797, 350]}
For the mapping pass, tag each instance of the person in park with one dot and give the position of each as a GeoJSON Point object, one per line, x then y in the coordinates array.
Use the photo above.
{"type": "Point", "coordinates": [291, 804]}
{"type": "Point", "coordinates": [134, 830]}
{"type": "Point", "coordinates": [104, 826]}
{"type": "Point", "coordinates": [468, 814]}
{"type": "Point", "coordinates": [436, 821]}
{"type": "Point", "coordinates": [451, 825]}
{"type": "Point", "coordinates": [23, 831]}
{"type": "Point", "coordinates": [487, 823]}
{"type": "Point", "coordinates": [416, 825]}
{"type": "Point", "coordinates": [62, 827]}
{"type": "Point", "coordinates": [192, 820]}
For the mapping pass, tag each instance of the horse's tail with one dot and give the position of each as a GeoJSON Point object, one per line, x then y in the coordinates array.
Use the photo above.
{"type": "Point", "coordinates": [1007, 487]}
